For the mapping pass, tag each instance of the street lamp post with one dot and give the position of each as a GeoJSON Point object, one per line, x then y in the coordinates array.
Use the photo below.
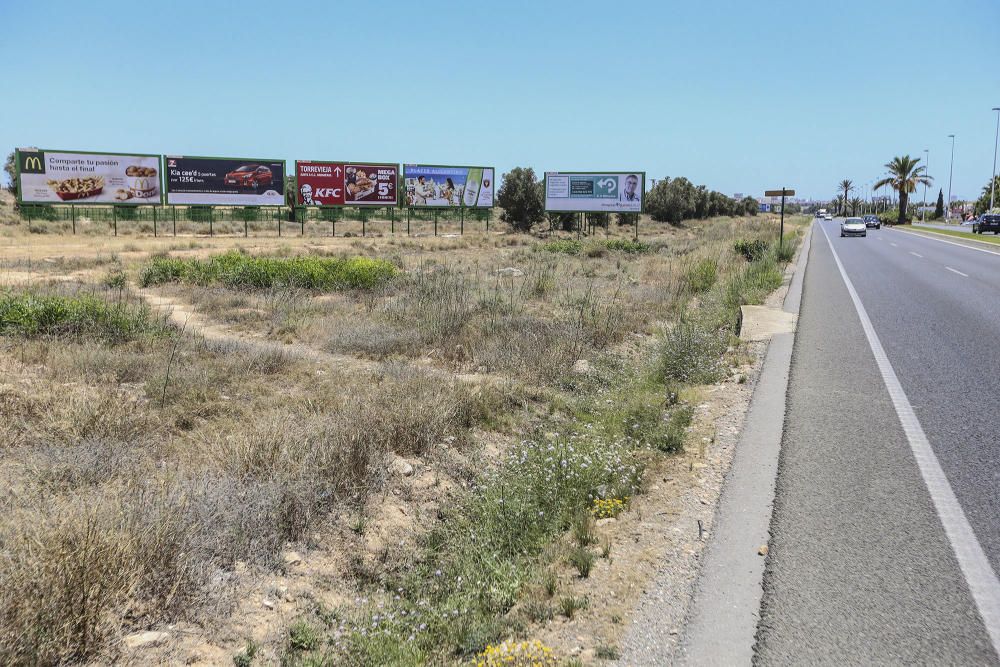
{"type": "Point", "coordinates": [993, 181]}
{"type": "Point", "coordinates": [951, 170]}
{"type": "Point", "coordinates": [927, 172]}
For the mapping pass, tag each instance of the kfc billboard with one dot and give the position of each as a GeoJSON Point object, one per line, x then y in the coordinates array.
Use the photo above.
{"type": "Point", "coordinates": [72, 177]}
{"type": "Point", "coordinates": [221, 181]}
{"type": "Point", "coordinates": [345, 184]}
{"type": "Point", "coordinates": [611, 192]}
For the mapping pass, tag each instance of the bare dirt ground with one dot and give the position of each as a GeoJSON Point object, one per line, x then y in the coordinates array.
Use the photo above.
{"type": "Point", "coordinates": [345, 555]}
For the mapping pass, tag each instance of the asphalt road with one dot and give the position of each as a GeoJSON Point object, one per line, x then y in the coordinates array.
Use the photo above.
{"type": "Point", "coordinates": [861, 569]}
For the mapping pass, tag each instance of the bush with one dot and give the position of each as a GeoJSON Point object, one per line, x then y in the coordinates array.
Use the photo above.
{"type": "Point", "coordinates": [701, 277]}
{"type": "Point", "coordinates": [691, 352]}
{"type": "Point", "coordinates": [752, 250]}
{"type": "Point", "coordinates": [890, 217]}
{"type": "Point", "coordinates": [565, 246]}
{"type": "Point", "coordinates": [33, 315]}
{"type": "Point", "coordinates": [238, 271]}
{"type": "Point", "coordinates": [627, 246]}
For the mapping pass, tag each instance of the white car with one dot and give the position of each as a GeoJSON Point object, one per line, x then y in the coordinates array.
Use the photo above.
{"type": "Point", "coordinates": [853, 227]}
{"type": "Point", "coordinates": [828, 216]}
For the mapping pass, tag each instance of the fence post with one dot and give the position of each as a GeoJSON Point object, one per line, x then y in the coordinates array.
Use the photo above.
{"type": "Point", "coordinates": [173, 214]}
{"type": "Point", "coordinates": [407, 222]}
{"type": "Point", "coordinates": [302, 220]}
{"type": "Point", "coordinates": [364, 222]}
{"type": "Point", "coordinates": [435, 222]}
{"type": "Point", "coordinates": [489, 212]}
{"type": "Point", "coordinates": [211, 221]}
{"type": "Point", "coordinates": [154, 222]}
{"type": "Point", "coordinates": [392, 221]}
{"type": "Point", "coordinates": [72, 210]}
{"type": "Point", "coordinates": [114, 218]}
{"type": "Point", "coordinates": [461, 224]}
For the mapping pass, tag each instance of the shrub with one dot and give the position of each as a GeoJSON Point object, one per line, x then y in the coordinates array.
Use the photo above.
{"type": "Point", "coordinates": [627, 246]}
{"type": "Point", "coordinates": [582, 560]}
{"type": "Point", "coordinates": [565, 246]}
{"type": "Point", "coordinates": [691, 352]}
{"type": "Point", "coordinates": [32, 315]}
{"type": "Point", "coordinates": [701, 277]}
{"type": "Point", "coordinates": [752, 250]}
{"type": "Point", "coordinates": [238, 271]}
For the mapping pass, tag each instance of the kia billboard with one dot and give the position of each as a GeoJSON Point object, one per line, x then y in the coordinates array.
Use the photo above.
{"type": "Point", "coordinates": [223, 181]}
{"type": "Point", "coordinates": [438, 186]}
{"type": "Point", "coordinates": [345, 184]}
{"type": "Point", "coordinates": [600, 192]}
{"type": "Point", "coordinates": [72, 177]}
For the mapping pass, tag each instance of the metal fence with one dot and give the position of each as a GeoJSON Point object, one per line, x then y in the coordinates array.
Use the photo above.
{"type": "Point", "coordinates": [259, 220]}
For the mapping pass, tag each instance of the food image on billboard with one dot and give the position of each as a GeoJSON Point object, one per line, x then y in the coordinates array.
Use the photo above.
{"type": "Point", "coordinates": [216, 181]}
{"type": "Point", "coordinates": [70, 177]}
{"type": "Point", "coordinates": [345, 184]}
{"type": "Point", "coordinates": [437, 186]}
{"type": "Point", "coordinates": [601, 192]}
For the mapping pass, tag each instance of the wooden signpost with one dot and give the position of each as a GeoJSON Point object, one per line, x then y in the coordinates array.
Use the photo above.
{"type": "Point", "coordinates": [783, 192]}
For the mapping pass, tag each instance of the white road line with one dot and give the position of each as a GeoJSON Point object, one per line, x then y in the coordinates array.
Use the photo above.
{"type": "Point", "coordinates": [960, 245]}
{"type": "Point", "coordinates": [964, 275]}
{"type": "Point", "coordinates": [916, 254]}
{"type": "Point", "coordinates": [982, 580]}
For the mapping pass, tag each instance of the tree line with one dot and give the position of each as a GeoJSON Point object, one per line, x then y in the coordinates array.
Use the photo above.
{"type": "Point", "coordinates": [671, 200]}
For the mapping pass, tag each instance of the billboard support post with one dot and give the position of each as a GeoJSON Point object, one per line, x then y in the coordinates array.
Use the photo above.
{"type": "Point", "coordinates": [279, 226]}
{"type": "Point", "coordinates": [392, 221]}
{"type": "Point", "coordinates": [114, 218]}
{"type": "Point", "coordinates": [637, 226]}
{"type": "Point", "coordinates": [246, 227]}
{"type": "Point", "coordinates": [211, 221]}
{"type": "Point", "coordinates": [302, 223]}
{"type": "Point", "coordinates": [173, 214]}
{"type": "Point", "coordinates": [72, 210]}
{"type": "Point", "coordinates": [461, 227]}
{"type": "Point", "coordinates": [407, 221]}
{"type": "Point", "coordinates": [488, 214]}
{"type": "Point", "coordinates": [364, 223]}
{"type": "Point", "coordinates": [435, 223]}
{"type": "Point", "coordinates": [154, 222]}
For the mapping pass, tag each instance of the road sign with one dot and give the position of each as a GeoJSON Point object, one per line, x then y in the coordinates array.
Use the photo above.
{"type": "Point", "coordinates": [783, 192]}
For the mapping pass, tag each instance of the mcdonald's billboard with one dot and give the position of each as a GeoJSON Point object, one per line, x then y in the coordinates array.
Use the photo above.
{"type": "Point", "coordinates": [73, 177]}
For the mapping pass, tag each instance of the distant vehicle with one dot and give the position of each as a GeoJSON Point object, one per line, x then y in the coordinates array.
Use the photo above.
{"type": "Point", "coordinates": [821, 213]}
{"type": "Point", "coordinates": [871, 220]}
{"type": "Point", "coordinates": [828, 216]}
{"type": "Point", "coordinates": [987, 223]}
{"type": "Point", "coordinates": [853, 227]}
{"type": "Point", "coordinates": [250, 176]}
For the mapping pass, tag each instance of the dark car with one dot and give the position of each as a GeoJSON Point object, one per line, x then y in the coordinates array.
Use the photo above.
{"type": "Point", "coordinates": [872, 220]}
{"type": "Point", "coordinates": [250, 176]}
{"type": "Point", "coordinates": [987, 223]}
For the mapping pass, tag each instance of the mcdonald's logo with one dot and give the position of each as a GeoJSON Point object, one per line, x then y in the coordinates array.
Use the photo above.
{"type": "Point", "coordinates": [141, 184]}
{"type": "Point", "coordinates": [32, 163]}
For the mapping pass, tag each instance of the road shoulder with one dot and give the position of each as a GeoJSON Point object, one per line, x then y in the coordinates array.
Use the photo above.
{"type": "Point", "coordinates": [722, 618]}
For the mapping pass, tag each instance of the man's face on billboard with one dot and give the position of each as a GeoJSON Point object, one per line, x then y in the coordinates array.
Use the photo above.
{"type": "Point", "coordinates": [631, 183]}
{"type": "Point", "coordinates": [307, 192]}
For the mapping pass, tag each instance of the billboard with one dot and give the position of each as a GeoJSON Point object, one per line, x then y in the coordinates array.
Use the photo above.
{"type": "Point", "coordinates": [439, 186]}
{"type": "Point", "coordinates": [346, 183]}
{"type": "Point", "coordinates": [224, 181]}
{"type": "Point", "coordinates": [74, 177]}
{"type": "Point", "coordinates": [600, 192]}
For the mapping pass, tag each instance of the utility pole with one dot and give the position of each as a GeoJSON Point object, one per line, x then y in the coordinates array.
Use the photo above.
{"type": "Point", "coordinates": [927, 172]}
{"type": "Point", "coordinates": [951, 171]}
{"type": "Point", "coordinates": [993, 182]}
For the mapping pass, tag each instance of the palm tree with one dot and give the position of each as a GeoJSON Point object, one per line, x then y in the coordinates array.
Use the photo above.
{"type": "Point", "coordinates": [846, 186]}
{"type": "Point", "coordinates": [904, 177]}
{"type": "Point", "coordinates": [855, 205]}
{"type": "Point", "coordinates": [838, 203]}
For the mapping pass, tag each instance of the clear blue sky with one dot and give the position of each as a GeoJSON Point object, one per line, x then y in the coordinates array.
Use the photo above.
{"type": "Point", "coordinates": [737, 95]}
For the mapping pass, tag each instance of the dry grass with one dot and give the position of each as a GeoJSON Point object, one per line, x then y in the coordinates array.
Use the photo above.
{"type": "Point", "coordinates": [136, 472]}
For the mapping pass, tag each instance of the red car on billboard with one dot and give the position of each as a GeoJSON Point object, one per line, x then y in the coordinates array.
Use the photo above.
{"type": "Point", "coordinates": [253, 176]}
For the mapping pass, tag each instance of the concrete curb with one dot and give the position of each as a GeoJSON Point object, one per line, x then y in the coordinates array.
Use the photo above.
{"type": "Point", "coordinates": [721, 625]}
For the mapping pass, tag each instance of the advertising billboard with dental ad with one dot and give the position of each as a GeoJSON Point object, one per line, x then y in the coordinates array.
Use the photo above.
{"type": "Point", "coordinates": [326, 184]}
{"type": "Point", "coordinates": [224, 181]}
{"type": "Point", "coordinates": [75, 177]}
{"type": "Point", "coordinates": [594, 192]}
{"type": "Point", "coordinates": [438, 186]}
